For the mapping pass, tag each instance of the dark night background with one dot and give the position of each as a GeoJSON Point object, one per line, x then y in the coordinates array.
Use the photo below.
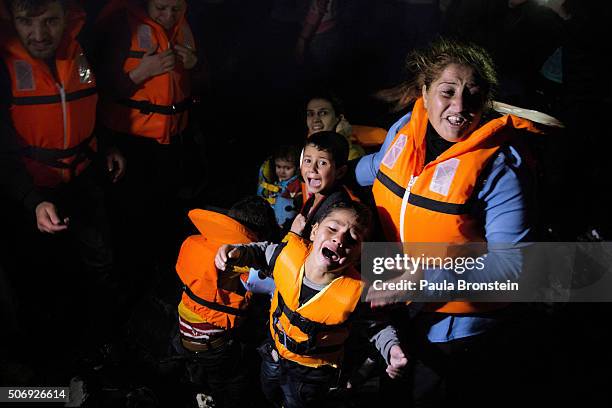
{"type": "Point", "coordinates": [251, 95]}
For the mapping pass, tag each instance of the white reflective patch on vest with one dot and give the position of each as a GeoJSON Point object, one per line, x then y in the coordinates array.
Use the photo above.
{"type": "Point", "coordinates": [145, 37]}
{"type": "Point", "coordinates": [395, 151]}
{"type": "Point", "coordinates": [24, 76]}
{"type": "Point", "coordinates": [85, 76]}
{"type": "Point", "coordinates": [443, 176]}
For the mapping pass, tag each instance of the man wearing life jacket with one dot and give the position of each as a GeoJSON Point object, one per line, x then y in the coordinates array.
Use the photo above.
{"type": "Point", "coordinates": [444, 174]}
{"type": "Point", "coordinates": [317, 293]}
{"type": "Point", "coordinates": [48, 99]}
{"type": "Point", "coordinates": [214, 301]}
{"type": "Point", "coordinates": [145, 52]}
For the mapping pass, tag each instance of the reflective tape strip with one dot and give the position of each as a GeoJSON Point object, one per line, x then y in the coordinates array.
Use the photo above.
{"type": "Point", "coordinates": [24, 76]}
{"type": "Point", "coordinates": [145, 37]}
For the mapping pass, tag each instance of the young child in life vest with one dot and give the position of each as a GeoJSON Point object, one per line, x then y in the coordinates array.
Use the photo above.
{"type": "Point", "coordinates": [214, 301]}
{"type": "Point", "coordinates": [317, 292]}
{"type": "Point", "coordinates": [279, 184]}
{"type": "Point", "coordinates": [323, 165]}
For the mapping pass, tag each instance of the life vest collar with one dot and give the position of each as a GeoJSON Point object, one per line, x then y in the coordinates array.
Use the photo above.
{"type": "Point", "coordinates": [217, 227]}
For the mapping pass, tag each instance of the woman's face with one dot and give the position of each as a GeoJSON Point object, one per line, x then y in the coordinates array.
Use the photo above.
{"type": "Point", "coordinates": [320, 115]}
{"type": "Point", "coordinates": [166, 12]}
{"type": "Point", "coordinates": [454, 102]}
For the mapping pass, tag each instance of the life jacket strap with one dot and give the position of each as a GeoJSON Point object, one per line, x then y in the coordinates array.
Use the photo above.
{"type": "Point", "coordinates": [53, 157]}
{"type": "Point", "coordinates": [146, 107]}
{"type": "Point", "coordinates": [307, 326]}
{"type": "Point", "coordinates": [212, 305]}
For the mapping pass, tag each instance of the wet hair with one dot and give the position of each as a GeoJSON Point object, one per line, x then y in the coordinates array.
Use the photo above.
{"type": "Point", "coordinates": [288, 153]}
{"type": "Point", "coordinates": [33, 7]}
{"type": "Point", "coordinates": [255, 213]}
{"type": "Point", "coordinates": [329, 96]}
{"type": "Point", "coordinates": [333, 143]}
{"type": "Point", "coordinates": [425, 66]}
{"type": "Point", "coordinates": [361, 211]}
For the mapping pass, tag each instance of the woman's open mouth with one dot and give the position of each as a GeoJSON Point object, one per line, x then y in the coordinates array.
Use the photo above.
{"type": "Point", "coordinates": [457, 120]}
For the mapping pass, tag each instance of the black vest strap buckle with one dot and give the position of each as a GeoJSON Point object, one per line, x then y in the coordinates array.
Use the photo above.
{"type": "Point", "coordinates": [146, 107]}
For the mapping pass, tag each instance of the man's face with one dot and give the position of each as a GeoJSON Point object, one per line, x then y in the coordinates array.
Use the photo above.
{"type": "Point", "coordinates": [41, 30]}
{"type": "Point", "coordinates": [166, 12]}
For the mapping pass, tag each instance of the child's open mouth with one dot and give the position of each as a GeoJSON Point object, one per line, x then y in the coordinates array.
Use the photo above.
{"type": "Point", "coordinates": [330, 255]}
{"type": "Point", "coordinates": [315, 183]}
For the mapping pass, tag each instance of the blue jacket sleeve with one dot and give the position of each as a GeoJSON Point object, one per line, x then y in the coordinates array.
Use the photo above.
{"type": "Point", "coordinates": [367, 167]}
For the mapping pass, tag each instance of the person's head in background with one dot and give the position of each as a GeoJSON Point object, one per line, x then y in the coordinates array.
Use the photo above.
{"type": "Point", "coordinates": [256, 214]}
{"type": "Point", "coordinates": [286, 162]}
{"type": "Point", "coordinates": [324, 161]}
{"type": "Point", "coordinates": [337, 236]}
{"type": "Point", "coordinates": [456, 81]}
{"type": "Point", "coordinates": [40, 25]}
{"type": "Point", "coordinates": [324, 111]}
{"type": "Point", "coordinates": [166, 13]}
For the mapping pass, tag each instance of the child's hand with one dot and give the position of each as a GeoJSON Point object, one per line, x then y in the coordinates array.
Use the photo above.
{"type": "Point", "coordinates": [298, 225]}
{"type": "Point", "coordinates": [397, 362]}
{"type": "Point", "coordinates": [224, 254]}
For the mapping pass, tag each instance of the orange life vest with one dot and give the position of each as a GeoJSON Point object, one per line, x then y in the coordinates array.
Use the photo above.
{"type": "Point", "coordinates": [54, 117]}
{"type": "Point", "coordinates": [158, 109]}
{"type": "Point", "coordinates": [314, 333]}
{"type": "Point", "coordinates": [369, 136]}
{"type": "Point", "coordinates": [216, 297]}
{"type": "Point", "coordinates": [431, 203]}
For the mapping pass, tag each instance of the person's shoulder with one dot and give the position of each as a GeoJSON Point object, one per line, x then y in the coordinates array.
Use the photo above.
{"type": "Point", "coordinates": [510, 155]}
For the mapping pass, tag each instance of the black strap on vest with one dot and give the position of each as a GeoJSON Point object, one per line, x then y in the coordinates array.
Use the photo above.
{"type": "Point", "coordinates": [57, 98]}
{"type": "Point", "coordinates": [307, 326]}
{"type": "Point", "coordinates": [136, 54]}
{"type": "Point", "coordinates": [390, 184]}
{"type": "Point", "coordinates": [424, 202]}
{"type": "Point", "coordinates": [146, 107]}
{"type": "Point", "coordinates": [212, 305]}
{"type": "Point", "coordinates": [53, 157]}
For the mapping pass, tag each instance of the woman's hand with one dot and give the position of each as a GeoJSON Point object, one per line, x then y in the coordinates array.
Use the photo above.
{"type": "Point", "coordinates": [225, 254]}
{"type": "Point", "coordinates": [187, 56]}
{"type": "Point", "coordinates": [152, 65]}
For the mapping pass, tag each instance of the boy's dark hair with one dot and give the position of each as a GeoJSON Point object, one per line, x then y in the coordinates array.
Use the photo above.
{"type": "Point", "coordinates": [255, 213]}
{"type": "Point", "coordinates": [363, 212]}
{"type": "Point", "coordinates": [33, 6]}
{"type": "Point", "coordinates": [331, 142]}
{"type": "Point", "coordinates": [288, 153]}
